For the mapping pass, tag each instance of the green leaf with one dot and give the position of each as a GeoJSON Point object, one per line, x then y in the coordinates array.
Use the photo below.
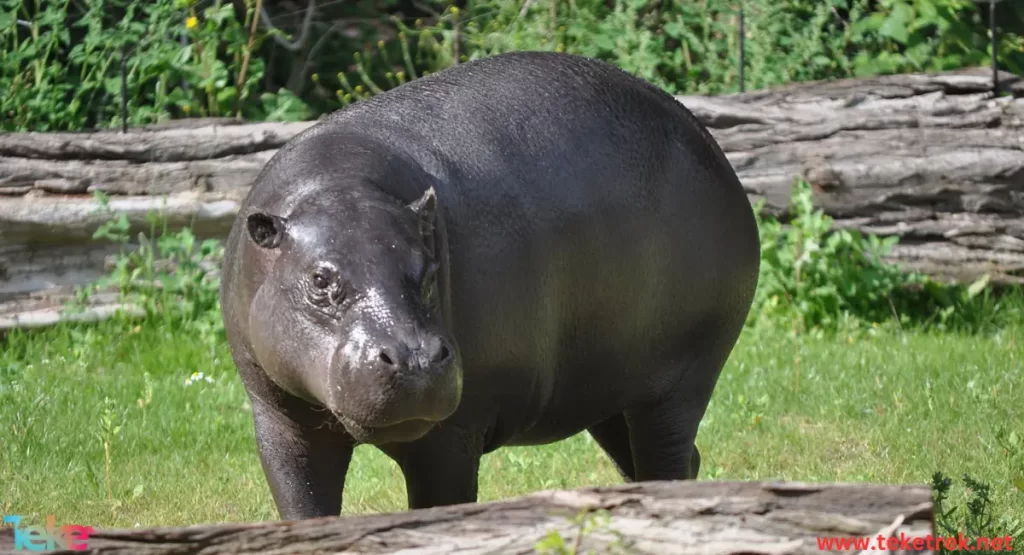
{"type": "Point", "coordinates": [225, 95]}
{"type": "Point", "coordinates": [927, 13]}
{"type": "Point", "coordinates": [113, 86]}
{"type": "Point", "coordinates": [604, 42]}
{"type": "Point", "coordinates": [821, 60]}
{"type": "Point", "coordinates": [895, 26]}
{"type": "Point", "coordinates": [869, 24]}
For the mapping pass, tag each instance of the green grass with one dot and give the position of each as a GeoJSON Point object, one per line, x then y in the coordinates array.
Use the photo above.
{"type": "Point", "coordinates": [889, 407]}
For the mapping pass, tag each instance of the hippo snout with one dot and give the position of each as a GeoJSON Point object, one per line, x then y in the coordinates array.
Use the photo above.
{"type": "Point", "coordinates": [397, 379]}
{"type": "Point", "coordinates": [434, 354]}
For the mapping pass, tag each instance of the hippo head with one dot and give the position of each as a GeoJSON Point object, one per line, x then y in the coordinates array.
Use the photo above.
{"type": "Point", "coordinates": [349, 316]}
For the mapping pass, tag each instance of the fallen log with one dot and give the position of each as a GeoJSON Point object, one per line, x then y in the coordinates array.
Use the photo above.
{"type": "Point", "coordinates": [935, 159]}
{"type": "Point", "coordinates": [686, 517]}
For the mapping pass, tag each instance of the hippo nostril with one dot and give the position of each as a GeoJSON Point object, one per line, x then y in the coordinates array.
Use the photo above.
{"type": "Point", "coordinates": [443, 355]}
{"type": "Point", "coordinates": [387, 358]}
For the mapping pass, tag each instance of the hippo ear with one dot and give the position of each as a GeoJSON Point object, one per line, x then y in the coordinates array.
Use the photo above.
{"type": "Point", "coordinates": [426, 208]}
{"type": "Point", "coordinates": [266, 230]}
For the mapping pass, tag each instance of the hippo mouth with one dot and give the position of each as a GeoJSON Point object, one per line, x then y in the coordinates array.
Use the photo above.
{"type": "Point", "coordinates": [410, 429]}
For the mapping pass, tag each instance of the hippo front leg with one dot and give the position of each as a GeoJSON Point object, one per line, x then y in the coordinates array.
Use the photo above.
{"type": "Point", "coordinates": [304, 461]}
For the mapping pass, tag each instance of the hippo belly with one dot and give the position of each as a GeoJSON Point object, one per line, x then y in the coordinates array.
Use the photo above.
{"type": "Point", "coordinates": [571, 320]}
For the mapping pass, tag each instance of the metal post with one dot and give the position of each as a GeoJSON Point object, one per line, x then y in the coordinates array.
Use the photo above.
{"type": "Point", "coordinates": [742, 49]}
{"type": "Point", "coordinates": [995, 46]}
{"type": "Point", "coordinates": [994, 32]}
{"type": "Point", "coordinates": [124, 91]}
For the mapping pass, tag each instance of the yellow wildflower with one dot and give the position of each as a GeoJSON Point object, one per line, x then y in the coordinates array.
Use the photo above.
{"type": "Point", "coordinates": [192, 22]}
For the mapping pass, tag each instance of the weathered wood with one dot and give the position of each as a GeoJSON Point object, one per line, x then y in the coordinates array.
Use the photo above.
{"type": "Point", "coordinates": [702, 517]}
{"type": "Point", "coordinates": [163, 144]}
{"type": "Point", "coordinates": [127, 177]}
{"type": "Point", "coordinates": [937, 160]}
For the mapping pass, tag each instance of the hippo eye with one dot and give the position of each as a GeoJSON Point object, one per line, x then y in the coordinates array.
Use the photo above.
{"type": "Point", "coordinates": [322, 278]}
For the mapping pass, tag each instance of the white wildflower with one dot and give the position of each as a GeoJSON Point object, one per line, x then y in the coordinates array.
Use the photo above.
{"type": "Point", "coordinates": [198, 377]}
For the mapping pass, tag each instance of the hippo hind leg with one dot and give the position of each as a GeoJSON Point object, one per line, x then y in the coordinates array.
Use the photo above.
{"type": "Point", "coordinates": [662, 432]}
{"type": "Point", "coordinates": [612, 436]}
{"type": "Point", "coordinates": [662, 435]}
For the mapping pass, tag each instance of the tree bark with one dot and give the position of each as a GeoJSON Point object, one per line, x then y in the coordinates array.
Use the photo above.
{"type": "Point", "coordinates": [683, 517]}
{"type": "Point", "coordinates": [936, 160]}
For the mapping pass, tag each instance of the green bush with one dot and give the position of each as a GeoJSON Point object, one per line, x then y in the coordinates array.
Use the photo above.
{"type": "Point", "coordinates": [60, 60]}
{"type": "Point", "coordinates": [692, 47]}
{"type": "Point", "coordinates": [60, 64]}
{"type": "Point", "coordinates": [171, 276]}
{"type": "Point", "coordinates": [814, 277]}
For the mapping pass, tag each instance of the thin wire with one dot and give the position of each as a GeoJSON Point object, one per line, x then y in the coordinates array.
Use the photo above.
{"type": "Point", "coordinates": [995, 47]}
{"type": "Point", "coordinates": [993, 29]}
{"type": "Point", "coordinates": [742, 46]}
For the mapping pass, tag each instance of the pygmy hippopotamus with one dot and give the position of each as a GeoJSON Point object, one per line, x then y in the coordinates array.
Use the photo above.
{"type": "Point", "coordinates": [507, 252]}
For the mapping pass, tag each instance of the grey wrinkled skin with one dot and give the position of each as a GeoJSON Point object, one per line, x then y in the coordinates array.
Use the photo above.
{"type": "Point", "coordinates": [504, 253]}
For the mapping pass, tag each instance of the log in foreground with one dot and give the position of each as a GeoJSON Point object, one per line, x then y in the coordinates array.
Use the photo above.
{"type": "Point", "coordinates": [685, 517]}
{"type": "Point", "coordinates": [935, 159]}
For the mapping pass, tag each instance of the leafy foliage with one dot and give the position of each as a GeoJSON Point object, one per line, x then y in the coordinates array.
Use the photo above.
{"type": "Point", "coordinates": [171, 276]}
{"type": "Point", "coordinates": [60, 60]}
{"type": "Point", "coordinates": [973, 518]}
{"type": "Point", "coordinates": [814, 277]}
{"type": "Point", "coordinates": [692, 47]}
{"type": "Point", "coordinates": [61, 64]}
